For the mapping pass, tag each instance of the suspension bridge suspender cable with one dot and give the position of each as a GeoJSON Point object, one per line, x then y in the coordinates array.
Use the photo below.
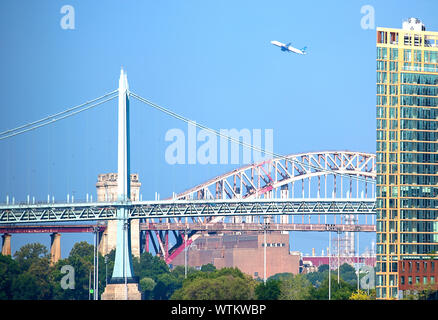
{"type": "Point", "coordinates": [278, 156]}
{"type": "Point", "coordinates": [52, 119]}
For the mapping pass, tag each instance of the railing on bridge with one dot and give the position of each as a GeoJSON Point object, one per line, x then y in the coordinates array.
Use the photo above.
{"type": "Point", "coordinates": [13, 214]}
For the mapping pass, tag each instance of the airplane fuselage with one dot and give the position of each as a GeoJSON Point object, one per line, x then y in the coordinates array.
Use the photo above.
{"type": "Point", "coordinates": [285, 47]}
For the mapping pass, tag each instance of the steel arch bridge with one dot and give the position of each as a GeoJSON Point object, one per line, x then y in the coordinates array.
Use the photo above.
{"type": "Point", "coordinates": [305, 179]}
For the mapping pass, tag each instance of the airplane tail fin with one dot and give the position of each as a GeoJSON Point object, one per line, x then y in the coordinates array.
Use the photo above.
{"type": "Point", "coordinates": [304, 49]}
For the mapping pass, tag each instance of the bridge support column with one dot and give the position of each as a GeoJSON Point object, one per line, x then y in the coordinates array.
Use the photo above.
{"type": "Point", "coordinates": [123, 285]}
{"type": "Point", "coordinates": [55, 248]}
{"type": "Point", "coordinates": [6, 244]}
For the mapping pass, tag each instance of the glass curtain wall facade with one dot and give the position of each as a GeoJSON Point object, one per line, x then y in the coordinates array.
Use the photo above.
{"type": "Point", "coordinates": [407, 153]}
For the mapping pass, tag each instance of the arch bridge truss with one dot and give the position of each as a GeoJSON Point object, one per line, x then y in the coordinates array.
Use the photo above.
{"type": "Point", "coordinates": [336, 186]}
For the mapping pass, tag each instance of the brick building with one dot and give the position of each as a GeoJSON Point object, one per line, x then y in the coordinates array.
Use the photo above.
{"type": "Point", "coordinates": [415, 274]}
{"type": "Point", "coordinates": [244, 251]}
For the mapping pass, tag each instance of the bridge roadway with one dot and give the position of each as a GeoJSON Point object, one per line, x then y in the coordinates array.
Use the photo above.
{"type": "Point", "coordinates": [63, 212]}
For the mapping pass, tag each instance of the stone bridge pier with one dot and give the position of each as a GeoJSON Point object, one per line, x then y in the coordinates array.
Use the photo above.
{"type": "Point", "coordinates": [55, 246]}
{"type": "Point", "coordinates": [6, 244]}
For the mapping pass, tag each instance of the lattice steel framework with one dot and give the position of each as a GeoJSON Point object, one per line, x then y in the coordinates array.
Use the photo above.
{"type": "Point", "coordinates": [294, 178]}
{"type": "Point", "coordinates": [21, 214]}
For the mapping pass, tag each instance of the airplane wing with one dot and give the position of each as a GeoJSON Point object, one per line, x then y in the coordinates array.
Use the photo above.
{"type": "Point", "coordinates": [278, 44]}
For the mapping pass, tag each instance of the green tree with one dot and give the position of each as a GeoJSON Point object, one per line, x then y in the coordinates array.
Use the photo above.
{"type": "Point", "coordinates": [348, 274]}
{"type": "Point", "coordinates": [179, 272]}
{"type": "Point", "coordinates": [30, 253]}
{"type": "Point", "coordinates": [149, 266]}
{"type": "Point", "coordinates": [223, 284]}
{"type": "Point", "coordinates": [81, 259]}
{"type": "Point", "coordinates": [9, 270]}
{"type": "Point", "coordinates": [221, 288]}
{"type": "Point", "coordinates": [323, 268]}
{"type": "Point", "coordinates": [295, 287]}
{"type": "Point", "coordinates": [318, 277]}
{"type": "Point", "coordinates": [43, 273]}
{"type": "Point", "coordinates": [166, 282]}
{"type": "Point", "coordinates": [147, 285]}
{"type": "Point", "coordinates": [281, 276]}
{"type": "Point", "coordinates": [25, 287]}
{"type": "Point", "coordinates": [268, 291]}
{"type": "Point", "coordinates": [339, 291]}
{"type": "Point", "coordinates": [209, 267]}
{"type": "Point", "coordinates": [166, 286]}
{"type": "Point", "coordinates": [35, 280]}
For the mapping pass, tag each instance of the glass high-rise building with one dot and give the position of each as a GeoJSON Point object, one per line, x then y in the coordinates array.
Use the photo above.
{"type": "Point", "coordinates": [407, 159]}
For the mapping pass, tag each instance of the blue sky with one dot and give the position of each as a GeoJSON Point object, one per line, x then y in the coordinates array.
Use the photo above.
{"type": "Point", "coordinates": [210, 61]}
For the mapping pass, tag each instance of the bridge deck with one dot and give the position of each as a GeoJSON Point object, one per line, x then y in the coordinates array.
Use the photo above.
{"type": "Point", "coordinates": [24, 213]}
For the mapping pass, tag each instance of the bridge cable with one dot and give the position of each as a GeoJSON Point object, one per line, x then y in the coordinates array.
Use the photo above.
{"type": "Point", "coordinates": [277, 156]}
{"type": "Point", "coordinates": [57, 114]}
{"type": "Point", "coordinates": [51, 119]}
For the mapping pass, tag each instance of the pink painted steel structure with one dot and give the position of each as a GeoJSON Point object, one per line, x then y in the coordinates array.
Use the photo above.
{"type": "Point", "coordinates": [327, 174]}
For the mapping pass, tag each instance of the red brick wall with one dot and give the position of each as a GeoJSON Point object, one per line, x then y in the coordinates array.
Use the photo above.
{"type": "Point", "coordinates": [245, 252]}
{"type": "Point", "coordinates": [414, 271]}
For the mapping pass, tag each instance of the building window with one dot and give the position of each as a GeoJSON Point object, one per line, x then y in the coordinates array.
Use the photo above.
{"type": "Point", "coordinates": [394, 292]}
{"type": "Point", "coordinates": [424, 280]}
{"type": "Point", "coordinates": [409, 280]}
{"type": "Point", "coordinates": [392, 280]}
{"type": "Point", "coordinates": [402, 280]}
{"type": "Point", "coordinates": [432, 279]}
{"type": "Point", "coordinates": [393, 54]}
{"type": "Point", "coordinates": [382, 37]}
{"type": "Point", "coordinates": [417, 55]}
{"type": "Point", "coordinates": [407, 55]}
{"type": "Point", "coordinates": [417, 280]}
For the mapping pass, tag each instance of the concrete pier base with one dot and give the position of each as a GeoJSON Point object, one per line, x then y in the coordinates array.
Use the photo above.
{"type": "Point", "coordinates": [55, 248]}
{"type": "Point", "coordinates": [117, 291]}
{"type": "Point", "coordinates": [6, 244]}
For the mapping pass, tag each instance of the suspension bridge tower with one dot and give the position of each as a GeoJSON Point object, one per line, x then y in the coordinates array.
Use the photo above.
{"type": "Point", "coordinates": [123, 284]}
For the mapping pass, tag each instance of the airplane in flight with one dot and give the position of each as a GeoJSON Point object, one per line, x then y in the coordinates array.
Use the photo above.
{"type": "Point", "coordinates": [289, 48]}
